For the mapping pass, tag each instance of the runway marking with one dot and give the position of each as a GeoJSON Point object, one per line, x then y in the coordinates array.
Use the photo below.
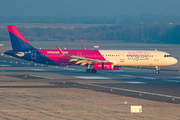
{"type": "Point", "coordinates": [69, 68]}
{"type": "Point", "coordinates": [173, 80]}
{"type": "Point", "coordinates": [126, 75]}
{"type": "Point", "coordinates": [149, 78]}
{"type": "Point", "coordinates": [129, 90]}
{"type": "Point", "coordinates": [91, 77]}
{"type": "Point", "coordinates": [41, 76]}
{"type": "Point", "coordinates": [139, 77]}
{"type": "Point", "coordinates": [4, 65]}
{"type": "Point", "coordinates": [38, 69]}
{"type": "Point", "coordinates": [136, 82]}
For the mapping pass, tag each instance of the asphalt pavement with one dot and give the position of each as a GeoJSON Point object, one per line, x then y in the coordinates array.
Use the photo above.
{"type": "Point", "coordinates": [140, 83]}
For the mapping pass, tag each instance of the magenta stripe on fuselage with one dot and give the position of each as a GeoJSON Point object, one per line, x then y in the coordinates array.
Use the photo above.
{"type": "Point", "coordinates": [55, 56]}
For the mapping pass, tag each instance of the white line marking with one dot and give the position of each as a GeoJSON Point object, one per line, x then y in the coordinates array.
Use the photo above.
{"type": "Point", "coordinates": [136, 91]}
{"type": "Point", "coordinates": [41, 77]}
{"type": "Point", "coordinates": [136, 82]}
{"type": "Point", "coordinates": [173, 80]}
{"type": "Point", "coordinates": [4, 65]}
{"type": "Point", "coordinates": [138, 76]}
{"type": "Point", "coordinates": [149, 78]}
{"type": "Point", "coordinates": [126, 75]}
{"type": "Point", "coordinates": [91, 77]}
{"type": "Point", "coordinates": [68, 68]}
{"type": "Point", "coordinates": [38, 69]}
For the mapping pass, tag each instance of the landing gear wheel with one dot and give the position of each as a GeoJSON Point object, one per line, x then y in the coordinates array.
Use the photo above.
{"type": "Point", "coordinates": [157, 71]}
{"type": "Point", "coordinates": [88, 70]}
{"type": "Point", "coordinates": [93, 71]}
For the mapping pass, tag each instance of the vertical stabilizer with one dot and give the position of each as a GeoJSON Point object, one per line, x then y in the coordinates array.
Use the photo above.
{"type": "Point", "coordinates": [18, 41]}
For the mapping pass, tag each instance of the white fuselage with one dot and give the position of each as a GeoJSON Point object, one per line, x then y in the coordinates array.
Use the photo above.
{"type": "Point", "coordinates": [138, 58]}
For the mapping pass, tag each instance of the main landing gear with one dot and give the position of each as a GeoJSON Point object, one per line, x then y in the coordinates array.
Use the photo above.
{"type": "Point", "coordinates": [157, 69]}
{"type": "Point", "coordinates": [90, 70]}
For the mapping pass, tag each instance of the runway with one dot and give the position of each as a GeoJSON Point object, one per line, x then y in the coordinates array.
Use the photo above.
{"type": "Point", "coordinates": [129, 81]}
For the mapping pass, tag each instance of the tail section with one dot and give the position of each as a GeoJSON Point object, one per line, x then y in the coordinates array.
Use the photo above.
{"type": "Point", "coordinates": [18, 41]}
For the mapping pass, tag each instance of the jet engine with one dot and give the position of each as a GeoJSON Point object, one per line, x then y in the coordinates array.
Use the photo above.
{"type": "Point", "coordinates": [105, 66]}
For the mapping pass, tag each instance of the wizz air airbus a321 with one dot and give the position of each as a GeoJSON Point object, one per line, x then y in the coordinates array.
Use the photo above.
{"type": "Point", "coordinates": [93, 59]}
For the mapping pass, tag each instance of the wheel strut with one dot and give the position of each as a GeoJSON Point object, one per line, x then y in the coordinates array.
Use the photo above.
{"type": "Point", "coordinates": [157, 69]}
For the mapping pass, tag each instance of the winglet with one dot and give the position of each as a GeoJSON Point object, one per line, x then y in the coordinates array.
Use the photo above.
{"type": "Point", "coordinates": [83, 48]}
{"type": "Point", "coordinates": [60, 51]}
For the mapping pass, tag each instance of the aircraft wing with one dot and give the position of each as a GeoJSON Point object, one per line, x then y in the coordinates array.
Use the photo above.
{"type": "Point", "coordinates": [81, 60]}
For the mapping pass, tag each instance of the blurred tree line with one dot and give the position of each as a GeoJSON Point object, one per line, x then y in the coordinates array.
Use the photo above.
{"type": "Point", "coordinates": [92, 19]}
{"type": "Point", "coordinates": [132, 32]}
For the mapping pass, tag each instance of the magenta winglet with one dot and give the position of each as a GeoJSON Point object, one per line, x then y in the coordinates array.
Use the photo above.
{"type": "Point", "coordinates": [83, 48]}
{"type": "Point", "coordinates": [15, 31]}
{"type": "Point", "coordinates": [60, 51]}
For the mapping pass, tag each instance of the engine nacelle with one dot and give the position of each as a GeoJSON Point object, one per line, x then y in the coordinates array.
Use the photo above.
{"type": "Point", "coordinates": [104, 66]}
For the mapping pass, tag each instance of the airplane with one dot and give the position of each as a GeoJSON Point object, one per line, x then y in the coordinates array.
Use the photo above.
{"type": "Point", "coordinates": [94, 59]}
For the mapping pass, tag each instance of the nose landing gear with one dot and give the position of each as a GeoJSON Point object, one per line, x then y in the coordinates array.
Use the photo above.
{"type": "Point", "coordinates": [157, 69]}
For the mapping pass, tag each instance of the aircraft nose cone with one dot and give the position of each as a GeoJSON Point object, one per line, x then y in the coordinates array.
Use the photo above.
{"type": "Point", "coordinates": [175, 60]}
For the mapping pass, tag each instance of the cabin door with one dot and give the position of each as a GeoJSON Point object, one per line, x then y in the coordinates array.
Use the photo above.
{"type": "Point", "coordinates": [122, 57]}
{"type": "Point", "coordinates": [156, 56]}
{"type": "Point", "coordinates": [33, 54]}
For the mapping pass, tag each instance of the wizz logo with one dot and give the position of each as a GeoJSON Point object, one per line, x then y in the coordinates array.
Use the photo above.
{"type": "Point", "coordinates": [138, 55]}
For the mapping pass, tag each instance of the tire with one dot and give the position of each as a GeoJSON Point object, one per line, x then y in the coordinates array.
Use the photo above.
{"type": "Point", "coordinates": [93, 71]}
{"type": "Point", "coordinates": [88, 70]}
{"type": "Point", "coordinates": [157, 72]}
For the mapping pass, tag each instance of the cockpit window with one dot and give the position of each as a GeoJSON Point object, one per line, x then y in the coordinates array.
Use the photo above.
{"type": "Point", "coordinates": [167, 56]}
